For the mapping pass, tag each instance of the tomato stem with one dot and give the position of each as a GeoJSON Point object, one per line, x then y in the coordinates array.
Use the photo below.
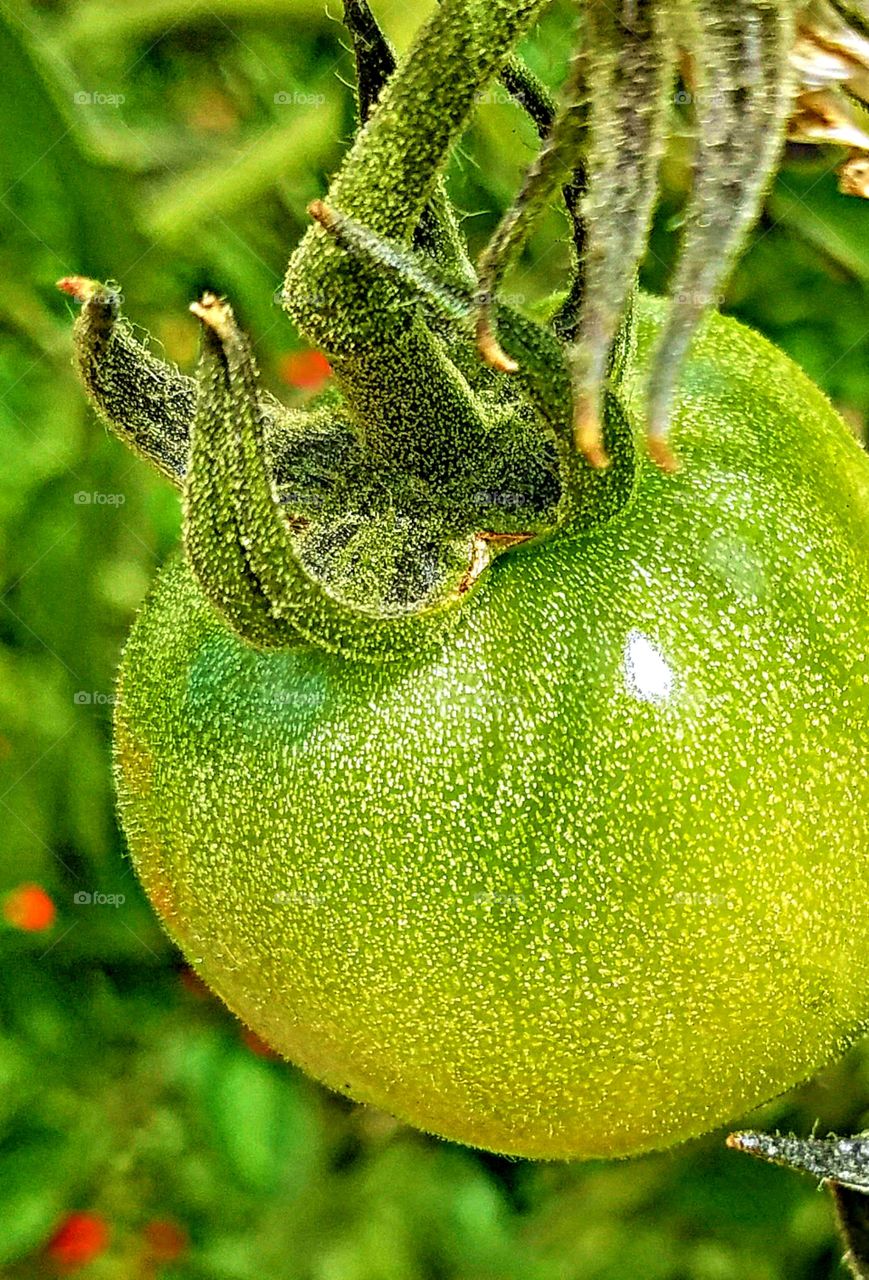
{"type": "Point", "coordinates": [413, 406]}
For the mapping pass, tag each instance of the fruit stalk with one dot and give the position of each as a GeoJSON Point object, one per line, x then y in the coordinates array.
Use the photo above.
{"type": "Point", "coordinates": [412, 406]}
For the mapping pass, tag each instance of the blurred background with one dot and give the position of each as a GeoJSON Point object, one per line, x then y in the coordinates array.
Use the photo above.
{"type": "Point", "coordinates": [173, 145]}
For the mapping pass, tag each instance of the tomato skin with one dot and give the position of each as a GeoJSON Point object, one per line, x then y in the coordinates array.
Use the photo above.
{"type": "Point", "coordinates": [590, 878]}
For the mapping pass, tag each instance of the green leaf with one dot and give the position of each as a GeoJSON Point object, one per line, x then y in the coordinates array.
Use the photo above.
{"type": "Point", "coordinates": [260, 1122]}
{"type": "Point", "coordinates": [284, 154]}
{"type": "Point", "coordinates": [33, 1193]}
{"type": "Point", "coordinates": [808, 201]}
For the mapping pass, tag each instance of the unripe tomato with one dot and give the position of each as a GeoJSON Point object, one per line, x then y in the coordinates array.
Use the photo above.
{"type": "Point", "coordinates": [588, 878]}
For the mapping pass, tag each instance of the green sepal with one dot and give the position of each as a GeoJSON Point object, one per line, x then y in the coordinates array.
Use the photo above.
{"type": "Point", "coordinates": [630, 72]}
{"type": "Point", "coordinates": [215, 521]}
{"type": "Point", "coordinates": [742, 96]}
{"type": "Point", "coordinates": [550, 170]}
{"type": "Point", "coordinates": [150, 405]}
{"type": "Point", "coordinates": [244, 546]}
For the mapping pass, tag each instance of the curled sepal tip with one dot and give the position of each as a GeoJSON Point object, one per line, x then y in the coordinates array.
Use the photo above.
{"type": "Point", "coordinates": [588, 434]}
{"type": "Point", "coordinates": [243, 544]}
{"type": "Point", "coordinates": [80, 288]}
{"type": "Point", "coordinates": [488, 346]}
{"type": "Point", "coordinates": [148, 403]}
{"type": "Point", "coordinates": [214, 523]}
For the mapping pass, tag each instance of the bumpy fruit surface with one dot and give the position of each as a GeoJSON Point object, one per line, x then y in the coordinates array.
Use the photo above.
{"type": "Point", "coordinates": [589, 877]}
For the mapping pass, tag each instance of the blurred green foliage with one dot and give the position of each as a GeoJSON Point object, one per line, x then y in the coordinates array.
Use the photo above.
{"type": "Point", "coordinates": [173, 145]}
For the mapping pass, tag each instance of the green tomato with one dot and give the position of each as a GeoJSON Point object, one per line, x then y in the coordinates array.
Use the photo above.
{"type": "Point", "coordinates": [588, 878]}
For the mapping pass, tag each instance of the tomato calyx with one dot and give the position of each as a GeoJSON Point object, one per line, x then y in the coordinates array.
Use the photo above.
{"type": "Point", "coordinates": [293, 530]}
{"type": "Point", "coordinates": [277, 582]}
{"type": "Point", "coordinates": [457, 428]}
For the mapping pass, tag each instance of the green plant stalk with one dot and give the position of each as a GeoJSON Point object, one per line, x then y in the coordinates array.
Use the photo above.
{"type": "Point", "coordinates": [385, 182]}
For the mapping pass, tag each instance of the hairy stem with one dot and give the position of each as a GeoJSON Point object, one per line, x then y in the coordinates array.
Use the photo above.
{"type": "Point", "coordinates": [437, 232]}
{"type": "Point", "coordinates": [588, 497]}
{"type": "Point", "coordinates": [385, 182]}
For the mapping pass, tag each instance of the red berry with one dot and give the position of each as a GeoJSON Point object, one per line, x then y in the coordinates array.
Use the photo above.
{"type": "Point", "coordinates": [166, 1240]}
{"type": "Point", "coordinates": [305, 370]}
{"type": "Point", "coordinates": [79, 1239]}
{"type": "Point", "coordinates": [29, 907]}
